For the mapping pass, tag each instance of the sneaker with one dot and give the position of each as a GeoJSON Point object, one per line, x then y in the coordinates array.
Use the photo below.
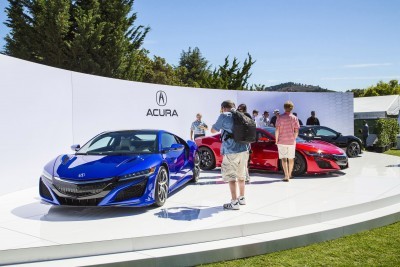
{"type": "Point", "coordinates": [242, 200]}
{"type": "Point", "coordinates": [234, 205]}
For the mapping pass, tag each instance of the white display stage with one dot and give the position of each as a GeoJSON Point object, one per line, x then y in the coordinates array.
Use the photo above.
{"type": "Point", "coordinates": [45, 110]}
{"type": "Point", "coordinates": [193, 228]}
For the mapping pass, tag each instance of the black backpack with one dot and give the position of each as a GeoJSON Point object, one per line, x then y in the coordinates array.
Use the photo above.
{"type": "Point", "coordinates": [244, 128]}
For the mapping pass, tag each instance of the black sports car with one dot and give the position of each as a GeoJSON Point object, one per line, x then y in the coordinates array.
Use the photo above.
{"type": "Point", "coordinates": [351, 144]}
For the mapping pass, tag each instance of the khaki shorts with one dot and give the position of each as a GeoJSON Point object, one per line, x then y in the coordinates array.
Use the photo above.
{"type": "Point", "coordinates": [234, 166]}
{"type": "Point", "coordinates": [287, 151]}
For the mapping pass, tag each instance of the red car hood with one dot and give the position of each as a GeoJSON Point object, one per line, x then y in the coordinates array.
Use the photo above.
{"type": "Point", "coordinates": [324, 147]}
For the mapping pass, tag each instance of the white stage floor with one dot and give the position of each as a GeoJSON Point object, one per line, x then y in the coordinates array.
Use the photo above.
{"type": "Point", "coordinates": [26, 223]}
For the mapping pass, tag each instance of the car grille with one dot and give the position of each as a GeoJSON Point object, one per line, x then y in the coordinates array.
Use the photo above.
{"type": "Point", "coordinates": [91, 194]}
{"type": "Point", "coordinates": [78, 202]}
{"type": "Point", "coordinates": [80, 190]}
{"type": "Point", "coordinates": [44, 191]}
{"type": "Point", "coordinates": [133, 191]}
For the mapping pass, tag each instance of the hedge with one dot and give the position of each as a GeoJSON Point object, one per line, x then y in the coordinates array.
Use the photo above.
{"type": "Point", "coordinates": [386, 130]}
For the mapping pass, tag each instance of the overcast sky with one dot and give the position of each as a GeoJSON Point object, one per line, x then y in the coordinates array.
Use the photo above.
{"type": "Point", "coordinates": [337, 44]}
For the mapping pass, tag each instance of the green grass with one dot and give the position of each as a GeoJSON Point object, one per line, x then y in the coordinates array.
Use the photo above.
{"type": "Point", "coordinates": [394, 152]}
{"type": "Point", "coordinates": [377, 247]}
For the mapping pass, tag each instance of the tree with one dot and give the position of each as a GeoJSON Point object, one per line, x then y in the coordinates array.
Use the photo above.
{"type": "Point", "coordinates": [121, 37]}
{"type": "Point", "coordinates": [100, 37]}
{"type": "Point", "coordinates": [92, 36]}
{"type": "Point", "coordinates": [194, 71]}
{"type": "Point", "coordinates": [18, 39]}
{"type": "Point", "coordinates": [356, 92]}
{"type": "Point", "coordinates": [257, 87]}
{"type": "Point", "coordinates": [87, 34]}
{"type": "Point", "coordinates": [231, 75]}
{"type": "Point", "coordinates": [194, 68]}
{"type": "Point", "coordinates": [380, 89]}
{"type": "Point", "coordinates": [160, 72]}
{"type": "Point", "coordinates": [50, 28]}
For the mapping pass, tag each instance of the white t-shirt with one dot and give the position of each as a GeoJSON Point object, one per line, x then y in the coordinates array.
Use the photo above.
{"type": "Point", "coordinates": [264, 122]}
{"type": "Point", "coordinates": [256, 120]}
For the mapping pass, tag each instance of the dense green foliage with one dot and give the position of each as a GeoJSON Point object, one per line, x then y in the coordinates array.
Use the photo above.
{"type": "Point", "coordinates": [92, 36]}
{"type": "Point", "coordinates": [290, 87]}
{"type": "Point", "coordinates": [194, 68]}
{"type": "Point", "coordinates": [387, 130]}
{"type": "Point", "coordinates": [380, 89]}
{"type": "Point", "coordinates": [100, 37]}
{"type": "Point", "coordinates": [231, 76]}
{"type": "Point", "coordinates": [378, 247]}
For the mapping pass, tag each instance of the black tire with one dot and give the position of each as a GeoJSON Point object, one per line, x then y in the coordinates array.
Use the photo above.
{"type": "Point", "coordinates": [196, 169]}
{"type": "Point", "coordinates": [161, 192]}
{"type": "Point", "coordinates": [353, 149]}
{"type": "Point", "coordinates": [207, 158]}
{"type": "Point", "coordinates": [300, 165]}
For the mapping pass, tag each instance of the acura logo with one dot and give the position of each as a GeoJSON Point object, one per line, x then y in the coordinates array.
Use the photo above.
{"type": "Point", "coordinates": [161, 98]}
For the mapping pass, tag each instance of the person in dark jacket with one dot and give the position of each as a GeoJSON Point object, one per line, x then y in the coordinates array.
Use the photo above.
{"type": "Point", "coordinates": [272, 122]}
{"type": "Point", "coordinates": [365, 133]}
{"type": "Point", "coordinates": [313, 120]}
{"type": "Point", "coordinates": [300, 122]}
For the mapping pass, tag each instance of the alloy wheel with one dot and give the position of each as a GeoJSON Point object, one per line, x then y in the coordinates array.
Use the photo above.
{"type": "Point", "coordinates": [353, 149]}
{"type": "Point", "coordinates": [196, 169]}
{"type": "Point", "coordinates": [162, 186]}
{"type": "Point", "coordinates": [207, 159]}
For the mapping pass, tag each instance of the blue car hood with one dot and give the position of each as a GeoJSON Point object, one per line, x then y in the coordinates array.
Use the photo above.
{"type": "Point", "coordinates": [92, 167]}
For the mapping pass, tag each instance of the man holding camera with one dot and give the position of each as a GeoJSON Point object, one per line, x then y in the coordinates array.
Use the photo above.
{"type": "Point", "coordinates": [235, 157]}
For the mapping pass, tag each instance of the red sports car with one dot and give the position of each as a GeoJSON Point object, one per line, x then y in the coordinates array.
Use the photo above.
{"type": "Point", "coordinates": [311, 156]}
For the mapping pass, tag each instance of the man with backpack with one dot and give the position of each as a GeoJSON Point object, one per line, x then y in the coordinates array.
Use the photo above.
{"type": "Point", "coordinates": [237, 130]}
{"type": "Point", "coordinates": [243, 108]}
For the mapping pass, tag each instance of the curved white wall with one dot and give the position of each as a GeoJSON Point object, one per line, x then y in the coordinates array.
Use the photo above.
{"type": "Point", "coordinates": [35, 119]}
{"type": "Point", "coordinates": [44, 110]}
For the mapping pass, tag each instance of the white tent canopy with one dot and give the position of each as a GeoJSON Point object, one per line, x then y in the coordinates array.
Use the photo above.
{"type": "Point", "coordinates": [375, 107]}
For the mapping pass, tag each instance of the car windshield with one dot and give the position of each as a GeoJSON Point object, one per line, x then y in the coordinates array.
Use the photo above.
{"type": "Point", "coordinates": [271, 130]}
{"type": "Point", "coordinates": [121, 143]}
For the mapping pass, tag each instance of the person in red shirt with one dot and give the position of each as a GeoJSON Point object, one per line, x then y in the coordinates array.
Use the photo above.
{"type": "Point", "coordinates": [286, 132]}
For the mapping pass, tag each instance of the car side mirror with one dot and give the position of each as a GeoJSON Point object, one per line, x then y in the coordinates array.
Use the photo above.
{"type": "Point", "coordinates": [338, 134]}
{"type": "Point", "coordinates": [177, 147]}
{"type": "Point", "coordinates": [75, 147]}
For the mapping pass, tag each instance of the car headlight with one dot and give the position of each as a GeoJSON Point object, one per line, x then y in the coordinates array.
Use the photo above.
{"type": "Point", "coordinates": [316, 154]}
{"type": "Point", "coordinates": [47, 175]}
{"type": "Point", "coordinates": [138, 174]}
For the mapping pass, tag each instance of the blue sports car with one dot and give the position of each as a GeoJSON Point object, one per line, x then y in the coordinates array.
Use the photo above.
{"type": "Point", "coordinates": [121, 168]}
